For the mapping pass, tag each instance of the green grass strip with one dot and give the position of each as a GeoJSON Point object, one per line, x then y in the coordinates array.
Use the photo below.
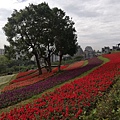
{"type": "Point", "coordinates": [5, 80]}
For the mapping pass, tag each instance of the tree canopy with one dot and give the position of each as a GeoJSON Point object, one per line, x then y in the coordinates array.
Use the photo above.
{"type": "Point", "coordinates": [40, 31]}
{"type": "Point", "coordinates": [3, 63]}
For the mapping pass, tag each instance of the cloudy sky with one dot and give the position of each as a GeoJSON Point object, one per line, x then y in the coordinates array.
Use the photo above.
{"type": "Point", "coordinates": [97, 22]}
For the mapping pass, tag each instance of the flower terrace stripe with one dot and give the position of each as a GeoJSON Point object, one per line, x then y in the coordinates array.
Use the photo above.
{"type": "Point", "coordinates": [23, 74]}
{"type": "Point", "coordinates": [24, 81]}
{"type": "Point", "coordinates": [14, 96]}
{"type": "Point", "coordinates": [75, 65]}
{"type": "Point", "coordinates": [27, 82]}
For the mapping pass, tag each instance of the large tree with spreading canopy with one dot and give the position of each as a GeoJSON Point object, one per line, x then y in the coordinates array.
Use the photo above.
{"type": "Point", "coordinates": [41, 31]}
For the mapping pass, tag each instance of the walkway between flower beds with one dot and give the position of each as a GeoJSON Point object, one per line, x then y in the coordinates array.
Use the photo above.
{"type": "Point", "coordinates": [14, 96]}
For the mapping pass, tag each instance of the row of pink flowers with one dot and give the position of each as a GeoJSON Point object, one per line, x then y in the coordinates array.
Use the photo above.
{"type": "Point", "coordinates": [69, 101]}
{"type": "Point", "coordinates": [75, 65]}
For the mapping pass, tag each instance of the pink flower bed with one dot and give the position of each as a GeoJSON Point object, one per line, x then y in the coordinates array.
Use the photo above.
{"type": "Point", "coordinates": [75, 65]}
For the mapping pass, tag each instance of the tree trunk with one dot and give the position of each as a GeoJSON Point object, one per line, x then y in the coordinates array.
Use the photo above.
{"type": "Point", "coordinates": [60, 60]}
{"type": "Point", "coordinates": [49, 64]}
{"type": "Point", "coordinates": [46, 64]}
{"type": "Point", "coordinates": [48, 59]}
{"type": "Point", "coordinates": [38, 64]}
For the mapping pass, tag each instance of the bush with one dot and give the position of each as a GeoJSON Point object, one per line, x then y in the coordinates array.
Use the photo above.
{"type": "Point", "coordinates": [78, 58]}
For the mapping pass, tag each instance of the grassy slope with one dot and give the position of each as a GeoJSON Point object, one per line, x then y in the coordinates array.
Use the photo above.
{"type": "Point", "coordinates": [52, 89]}
{"type": "Point", "coordinates": [5, 80]}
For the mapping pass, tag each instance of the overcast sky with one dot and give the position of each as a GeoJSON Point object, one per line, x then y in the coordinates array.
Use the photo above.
{"type": "Point", "coordinates": [97, 22]}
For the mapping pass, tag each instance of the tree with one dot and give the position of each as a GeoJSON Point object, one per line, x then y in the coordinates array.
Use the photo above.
{"type": "Point", "coordinates": [3, 63]}
{"type": "Point", "coordinates": [25, 30]}
{"type": "Point", "coordinates": [61, 38]}
{"type": "Point", "coordinates": [9, 52]}
{"type": "Point", "coordinates": [40, 31]}
{"type": "Point", "coordinates": [65, 37]}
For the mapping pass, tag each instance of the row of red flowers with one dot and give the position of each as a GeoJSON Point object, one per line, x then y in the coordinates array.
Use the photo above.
{"type": "Point", "coordinates": [68, 101]}
{"type": "Point", "coordinates": [23, 74]}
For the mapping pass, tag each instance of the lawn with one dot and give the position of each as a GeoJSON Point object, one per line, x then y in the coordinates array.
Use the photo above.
{"type": "Point", "coordinates": [5, 80]}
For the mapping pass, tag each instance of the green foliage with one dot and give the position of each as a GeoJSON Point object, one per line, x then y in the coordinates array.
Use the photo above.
{"type": "Point", "coordinates": [65, 33]}
{"type": "Point", "coordinates": [3, 60]}
{"type": "Point", "coordinates": [14, 66]}
{"type": "Point", "coordinates": [3, 63]}
{"type": "Point", "coordinates": [78, 58]}
{"type": "Point", "coordinates": [9, 51]}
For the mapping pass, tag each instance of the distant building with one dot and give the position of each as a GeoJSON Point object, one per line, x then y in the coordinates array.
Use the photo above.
{"type": "Point", "coordinates": [118, 46]}
{"type": "Point", "coordinates": [2, 51]}
{"type": "Point", "coordinates": [54, 58]}
{"type": "Point", "coordinates": [89, 52]}
{"type": "Point", "coordinates": [115, 48]}
{"type": "Point", "coordinates": [106, 50]}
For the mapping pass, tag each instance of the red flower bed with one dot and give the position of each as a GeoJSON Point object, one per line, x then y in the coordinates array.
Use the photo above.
{"type": "Point", "coordinates": [23, 74]}
{"type": "Point", "coordinates": [62, 67]}
{"type": "Point", "coordinates": [68, 101]}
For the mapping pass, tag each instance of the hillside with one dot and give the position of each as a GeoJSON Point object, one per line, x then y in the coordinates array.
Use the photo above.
{"type": "Point", "coordinates": [75, 93]}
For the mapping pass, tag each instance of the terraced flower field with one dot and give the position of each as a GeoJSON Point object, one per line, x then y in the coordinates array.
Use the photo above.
{"type": "Point", "coordinates": [16, 95]}
{"type": "Point", "coordinates": [67, 102]}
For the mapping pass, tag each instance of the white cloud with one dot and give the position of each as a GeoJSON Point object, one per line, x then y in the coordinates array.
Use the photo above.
{"type": "Point", "coordinates": [97, 21]}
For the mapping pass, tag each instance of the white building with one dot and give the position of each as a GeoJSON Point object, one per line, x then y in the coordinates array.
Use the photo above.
{"type": "Point", "coordinates": [2, 51]}
{"type": "Point", "coordinates": [106, 50]}
{"type": "Point", "coordinates": [89, 52]}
